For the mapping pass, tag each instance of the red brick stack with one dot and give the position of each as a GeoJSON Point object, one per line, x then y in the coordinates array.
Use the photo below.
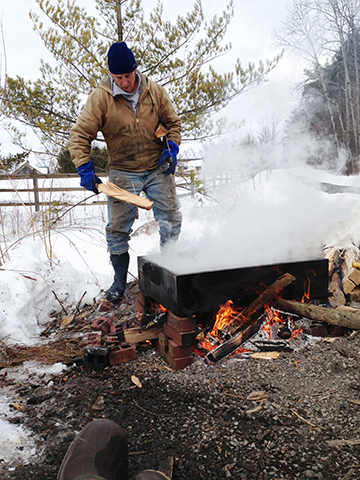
{"type": "Point", "coordinates": [104, 341]}
{"type": "Point", "coordinates": [176, 341]}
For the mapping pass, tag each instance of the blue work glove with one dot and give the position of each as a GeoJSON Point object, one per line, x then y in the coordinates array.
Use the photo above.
{"type": "Point", "coordinates": [169, 152]}
{"type": "Point", "coordinates": [88, 177]}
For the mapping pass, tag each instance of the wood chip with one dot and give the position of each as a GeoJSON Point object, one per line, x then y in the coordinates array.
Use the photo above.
{"type": "Point", "coordinates": [254, 410]}
{"type": "Point", "coordinates": [258, 396]}
{"type": "Point", "coordinates": [355, 402]}
{"type": "Point", "coordinates": [265, 355]}
{"type": "Point", "coordinates": [67, 320]}
{"type": "Point", "coordinates": [136, 381]}
{"type": "Point", "coordinates": [19, 407]}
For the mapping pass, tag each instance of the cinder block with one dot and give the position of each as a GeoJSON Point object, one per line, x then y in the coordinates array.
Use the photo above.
{"type": "Point", "coordinates": [102, 324]}
{"type": "Point", "coordinates": [162, 344]}
{"type": "Point", "coordinates": [105, 306]}
{"type": "Point", "coordinates": [112, 331]}
{"type": "Point", "coordinates": [92, 339]}
{"type": "Point", "coordinates": [122, 353]}
{"type": "Point", "coordinates": [113, 339]}
{"type": "Point", "coordinates": [181, 338]}
{"type": "Point", "coordinates": [176, 351]}
{"type": "Point", "coordinates": [181, 324]}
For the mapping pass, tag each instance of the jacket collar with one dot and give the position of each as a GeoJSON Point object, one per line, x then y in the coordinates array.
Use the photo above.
{"type": "Point", "coordinates": [105, 83]}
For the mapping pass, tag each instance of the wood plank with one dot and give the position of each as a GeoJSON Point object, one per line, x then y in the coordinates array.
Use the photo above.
{"type": "Point", "coordinates": [137, 334]}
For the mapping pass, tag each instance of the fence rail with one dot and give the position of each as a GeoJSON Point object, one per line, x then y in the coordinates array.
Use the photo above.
{"type": "Point", "coordinates": [36, 190]}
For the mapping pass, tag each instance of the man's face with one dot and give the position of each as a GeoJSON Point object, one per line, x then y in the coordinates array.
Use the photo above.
{"type": "Point", "coordinates": [126, 81]}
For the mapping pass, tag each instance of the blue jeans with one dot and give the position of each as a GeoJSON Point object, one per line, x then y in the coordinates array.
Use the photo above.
{"type": "Point", "coordinates": [158, 188]}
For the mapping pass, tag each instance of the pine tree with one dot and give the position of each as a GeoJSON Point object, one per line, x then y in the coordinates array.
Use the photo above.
{"type": "Point", "coordinates": [177, 55]}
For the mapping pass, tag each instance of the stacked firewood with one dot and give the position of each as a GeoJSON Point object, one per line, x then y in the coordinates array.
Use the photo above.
{"type": "Point", "coordinates": [344, 276]}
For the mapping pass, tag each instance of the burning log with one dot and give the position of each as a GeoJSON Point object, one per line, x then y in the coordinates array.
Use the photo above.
{"type": "Point", "coordinates": [250, 318]}
{"type": "Point", "coordinates": [255, 308]}
{"type": "Point", "coordinates": [334, 316]}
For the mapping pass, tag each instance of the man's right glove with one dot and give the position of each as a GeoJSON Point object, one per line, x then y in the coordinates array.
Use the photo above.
{"type": "Point", "coordinates": [88, 178]}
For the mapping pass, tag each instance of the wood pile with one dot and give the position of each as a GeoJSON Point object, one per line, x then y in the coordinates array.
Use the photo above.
{"type": "Point", "coordinates": [344, 276]}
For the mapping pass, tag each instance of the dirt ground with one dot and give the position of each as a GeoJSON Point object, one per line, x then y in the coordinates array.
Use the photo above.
{"type": "Point", "coordinates": [294, 417]}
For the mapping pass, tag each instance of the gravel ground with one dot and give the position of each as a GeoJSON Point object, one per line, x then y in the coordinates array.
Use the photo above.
{"type": "Point", "coordinates": [294, 417]}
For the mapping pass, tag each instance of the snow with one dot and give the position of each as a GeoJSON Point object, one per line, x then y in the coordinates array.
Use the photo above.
{"type": "Point", "coordinates": [274, 215]}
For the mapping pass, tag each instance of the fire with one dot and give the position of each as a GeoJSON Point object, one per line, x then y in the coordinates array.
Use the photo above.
{"type": "Point", "coordinates": [225, 314]}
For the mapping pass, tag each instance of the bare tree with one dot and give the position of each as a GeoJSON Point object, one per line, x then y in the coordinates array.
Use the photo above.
{"type": "Point", "coordinates": [321, 30]}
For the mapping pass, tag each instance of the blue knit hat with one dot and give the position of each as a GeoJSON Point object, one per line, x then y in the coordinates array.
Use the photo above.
{"type": "Point", "coordinates": [121, 59]}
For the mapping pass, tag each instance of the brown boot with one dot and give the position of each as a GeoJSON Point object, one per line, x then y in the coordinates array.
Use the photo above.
{"type": "Point", "coordinates": [98, 452]}
{"type": "Point", "coordinates": [151, 475]}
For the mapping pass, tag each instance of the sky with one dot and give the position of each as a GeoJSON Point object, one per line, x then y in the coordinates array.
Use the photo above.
{"type": "Point", "coordinates": [250, 34]}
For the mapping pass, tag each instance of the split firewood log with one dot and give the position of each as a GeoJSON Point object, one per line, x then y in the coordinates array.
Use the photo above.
{"type": "Point", "coordinates": [336, 294]}
{"type": "Point", "coordinates": [335, 261]}
{"type": "Point", "coordinates": [161, 131]}
{"type": "Point", "coordinates": [334, 316]}
{"type": "Point", "coordinates": [138, 334]}
{"type": "Point", "coordinates": [113, 190]}
{"type": "Point", "coordinates": [350, 274]}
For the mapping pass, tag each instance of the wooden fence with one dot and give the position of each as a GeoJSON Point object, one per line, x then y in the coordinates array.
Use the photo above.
{"type": "Point", "coordinates": [35, 190]}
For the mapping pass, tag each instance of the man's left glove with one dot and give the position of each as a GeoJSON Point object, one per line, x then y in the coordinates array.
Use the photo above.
{"type": "Point", "coordinates": [88, 178]}
{"type": "Point", "coordinates": [169, 153]}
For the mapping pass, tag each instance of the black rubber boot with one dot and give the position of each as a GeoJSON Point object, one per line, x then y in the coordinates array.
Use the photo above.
{"type": "Point", "coordinates": [116, 291]}
{"type": "Point", "coordinates": [99, 452]}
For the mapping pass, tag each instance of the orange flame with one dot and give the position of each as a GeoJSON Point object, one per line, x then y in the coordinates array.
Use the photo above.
{"type": "Point", "coordinates": [225, 314]}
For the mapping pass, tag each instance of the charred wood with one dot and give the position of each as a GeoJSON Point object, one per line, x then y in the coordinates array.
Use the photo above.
{"type": "Point", "coordinates": [254, 310]}
{"type": "Point", "coordinates": [250, 319]}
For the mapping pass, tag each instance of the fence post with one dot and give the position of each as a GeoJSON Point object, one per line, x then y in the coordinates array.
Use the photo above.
{"type": "Point", "coordinates": [36, 191]}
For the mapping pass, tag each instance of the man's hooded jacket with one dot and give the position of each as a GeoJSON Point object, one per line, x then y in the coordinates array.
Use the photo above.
{"type": "Point", "coordinates": [131, 141]}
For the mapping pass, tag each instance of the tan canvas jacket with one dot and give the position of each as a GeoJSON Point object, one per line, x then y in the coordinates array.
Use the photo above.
{"type": "Point", "coordinates": [131, 141]}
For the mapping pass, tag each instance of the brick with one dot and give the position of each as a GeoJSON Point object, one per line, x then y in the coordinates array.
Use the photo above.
{"type": "Point", "coordinates": [336, 330]}
{"type": "Point", "coordinates": [162, 344]}
{"type": "Point", "coordinates": [181, 338]}
{"type": "Point", "coordinates": [92, 339]}
{"type": "Point", "coordinates": [181, 324]}
{"type": "Point", "coordinates": [316, 330]}
{"type": "Point", "coordinates": [176, 351]}
{"type": "Point", "coordinates": [122, 353]}
{"type": "Point", "coordinates": [144, 306]}
{"type": "Point", "coordinates": [179, 363]}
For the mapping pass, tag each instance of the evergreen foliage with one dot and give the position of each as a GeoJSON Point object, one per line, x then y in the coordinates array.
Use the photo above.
{"type": "Point", "coordinates": [98, 156]}
{"type": "Point", "coordinates": [11, 162]}
{"type": "Point", "coordinates": [178, 55]}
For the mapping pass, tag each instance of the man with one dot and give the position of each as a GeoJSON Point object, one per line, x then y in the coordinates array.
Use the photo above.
{"type": "Point", "coordinates": [127, 108]}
